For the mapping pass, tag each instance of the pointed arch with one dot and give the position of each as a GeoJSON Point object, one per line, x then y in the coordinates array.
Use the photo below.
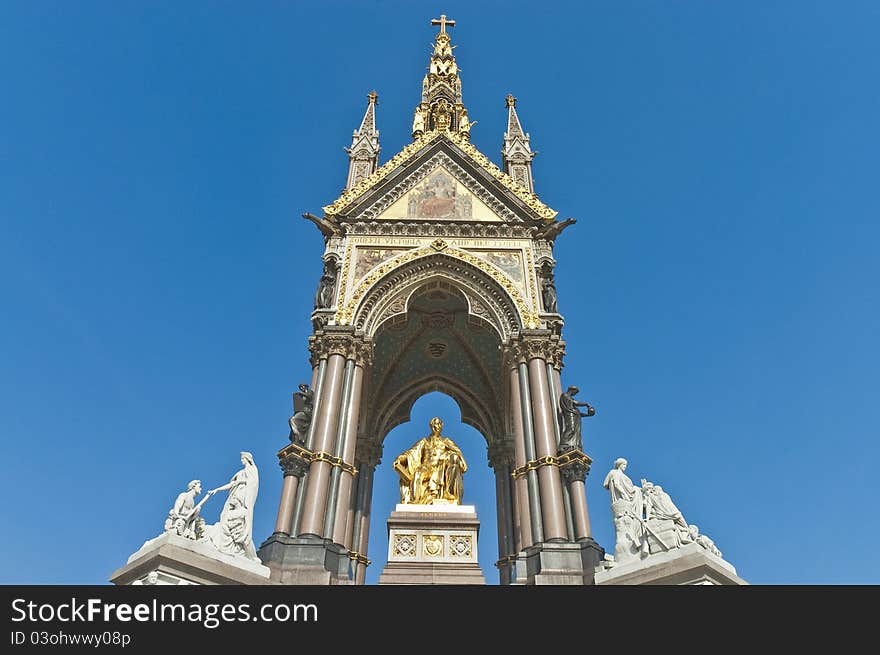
{"type": "Point", "coordinates": [499, 306]}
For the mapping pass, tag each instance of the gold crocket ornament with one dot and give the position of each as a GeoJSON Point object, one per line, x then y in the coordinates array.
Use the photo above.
{"type": "Point", "coordinates": [430, 472]}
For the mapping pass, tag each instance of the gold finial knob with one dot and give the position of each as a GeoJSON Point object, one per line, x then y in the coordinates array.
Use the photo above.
{"type": "Point", "coordinates": [373, 98]}
{"type": "Point", "coordinates": [511, 101]}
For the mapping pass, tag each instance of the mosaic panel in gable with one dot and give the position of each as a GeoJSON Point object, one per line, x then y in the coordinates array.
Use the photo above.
{"type": "Point", "coordinates": [440, 196]}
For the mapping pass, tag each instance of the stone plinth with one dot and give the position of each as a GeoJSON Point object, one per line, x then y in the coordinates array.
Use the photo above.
{"type": "Point", "coordinates": [306, 560]}
{"type": "Point", "coordinates": [689, 564]}
{"type": "Point", "coordinates": [173, 560]}
{"type": "Point", "coordinates": [433, 544]}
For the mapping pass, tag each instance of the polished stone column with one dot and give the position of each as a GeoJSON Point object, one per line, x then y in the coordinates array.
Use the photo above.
{"type": "Point", "coordinates": [552, 510]}
{"type": "Point", "coordinates": [522, 520]}
{"type": "Point", "coordinates": [501, 460]}
{"type": "Point", "coordinates": [319, 369]}
{"type": "Point", "coordinates": [324, 436]}
{"type": "Point", "coordinates": [285, 508]}
{"type": "Point", "coordinates": [582, 528]}
{"type": "Point", "coordinates": [553, 383]}
{"type": "Point", "coordinates": [348, 434]}
{"type": "Point", "coordinates": [294, 467]}
{"type": "Point", "coordinates": [575, 474]}
{"type": "Point", "coordinates": [357, 523]}
{"type": "Point", "coordinates": [535, 505]}
{"type": "Point", "coordinates": [333, 486]}
{"type": "Point", "coordinates": [505, 524]}
{"type": "Point", "coordinates": [362, 523]}
{"type": "Point", "coordinates": [290, 486]}
{"type": "Point", "coordinates": [349, 515]}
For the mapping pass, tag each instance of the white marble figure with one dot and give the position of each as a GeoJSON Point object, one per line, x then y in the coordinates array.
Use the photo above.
{"type": "Point", "coordinates": [627, 510]}
{"type": "Point", "coordinates": [418, 123]}
{"type": "Point", "coordinates": [183, 517]}
{"type": "Point", "coordinates": [659, 508]}
{"type": "Point", "coordinates": [150, 579]}
{"type": "Point", "coordinates": [233, 534]}
{"type": "Point", "coordinates": [704, 540]}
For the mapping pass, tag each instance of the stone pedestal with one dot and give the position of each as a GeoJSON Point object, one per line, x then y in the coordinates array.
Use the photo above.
{"type": "Point", "coordinates": [306, 560]}
{"type": "Point", "coordinates": [560, 563]}
{"type": "Point", "coordinates": [433, 544]}
{"type": "Point", "coordinates": [690, 564]}
{"type": "Point", "coordinates": [173, 560]}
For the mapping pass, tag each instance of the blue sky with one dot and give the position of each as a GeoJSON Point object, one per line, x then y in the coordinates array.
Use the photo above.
{"type": "Point", "coordinates": [720, 287]}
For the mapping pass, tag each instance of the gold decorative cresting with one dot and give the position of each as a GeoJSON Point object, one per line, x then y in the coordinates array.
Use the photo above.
{"type": "Point", "coordinates": [431, 471]}
{"type": "Point", "coordinates": [567, 458]}
{"type": "Point", "coordinates": [528, 198]}
{"type": "Point", "coordinates": [308, 456]}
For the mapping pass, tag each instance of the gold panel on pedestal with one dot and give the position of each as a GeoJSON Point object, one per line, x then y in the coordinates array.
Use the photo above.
{"type": "Point", "coordinates": [432, 545]}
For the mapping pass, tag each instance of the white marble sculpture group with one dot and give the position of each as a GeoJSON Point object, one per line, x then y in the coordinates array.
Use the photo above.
{"type": "Point", "coordinates": [646, 521]}
{"type": "Point", "coordinates": [233, 533]}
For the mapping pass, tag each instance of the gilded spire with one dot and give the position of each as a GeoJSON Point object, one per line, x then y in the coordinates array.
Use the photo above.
{"type": "Point", "coordinates": [363, 155]}
{"type": "Point", "coordinates": [441, 108]}
{"type": "Point", "coordinates": [517, 154]}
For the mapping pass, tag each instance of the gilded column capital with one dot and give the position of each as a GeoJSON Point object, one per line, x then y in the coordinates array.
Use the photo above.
{"type": "Point", "coordinates": [346, 344]}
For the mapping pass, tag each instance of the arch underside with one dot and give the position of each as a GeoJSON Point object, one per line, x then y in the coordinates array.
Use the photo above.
{"type": "Point", "coordinates": [437, 324]}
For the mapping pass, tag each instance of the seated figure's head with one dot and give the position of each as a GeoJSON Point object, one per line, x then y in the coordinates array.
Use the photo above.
{"type": "Point", "coordinates": [436, 426]}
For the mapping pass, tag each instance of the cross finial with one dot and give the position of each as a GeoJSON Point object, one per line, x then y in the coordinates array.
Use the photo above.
{"type": "Point", "coordinates": [442, 22]}
{"type": "Point", "coordinates": [511, 101]}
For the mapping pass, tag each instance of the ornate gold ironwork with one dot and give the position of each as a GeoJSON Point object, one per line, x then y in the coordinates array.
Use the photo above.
{"type": "Point", "coordinates": [521, 192]}
{"type": "Point", "coordinates": [548, 460]}
{"type": "Point", "coordinates": [567, 458]}
{"type": "Point", "coordinates": [297, 451]}
{"type": "Point", "coordinates": [380, 174]}
{"type": "Point", "coordinates": [358, 557]}
{"type": "Point", "coordinates": [332, 460]}
{"type": "Point", "coordinates": [507, 560]}
{"type": "Point", "coordinates": [530, 267]}
{"type": "Point", "coordinates": [572, 456]}
{"type": "Point", "coordinates": [343, 276]}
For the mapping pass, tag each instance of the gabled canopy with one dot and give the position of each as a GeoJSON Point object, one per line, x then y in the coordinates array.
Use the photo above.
{"type": "Point", "coordinates": [511, 201]}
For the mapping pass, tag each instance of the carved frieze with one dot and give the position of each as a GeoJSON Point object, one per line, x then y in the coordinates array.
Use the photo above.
{"type": "Point", "coordinates": [460, 229]}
